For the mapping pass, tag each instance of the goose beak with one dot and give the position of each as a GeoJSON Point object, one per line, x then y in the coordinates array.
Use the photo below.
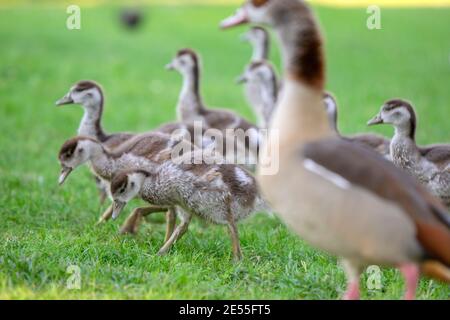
{"type": "Point", "coordinates": [64, 100]}
{"type": "Point", "coordinates": [375, 120]}
{"type": "Point", "coordinates": [117, 208]}
{"type": "Point", "coordinates": [65, 171]}
{"type": "Point", "coordinates": [241, 79]}
{"type": "Point", "coordinates": [240, 17]}
{"type": "Point", "coordinates": [170, 66]}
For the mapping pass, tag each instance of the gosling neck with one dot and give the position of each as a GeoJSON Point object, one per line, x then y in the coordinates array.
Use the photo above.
{"type": "Point", "coordinates": [190, 103]}
{"type": "Point", "coordinates": [260, 49]}
{"type": "Point", "coordinates": [405, 131]}
{"type": "Point", "coordinates": [102, 162]}
{"type": "Point", "coordinates": [270, 101]}
{"type": "Point", "coordinates": [91, 122]}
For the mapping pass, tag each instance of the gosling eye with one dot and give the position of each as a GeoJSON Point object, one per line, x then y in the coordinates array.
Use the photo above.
{"type": "Point", "coordinates": [132, 184]}
{"type": "Point", "coordinates": [397, 114]}
{"type": "Point", "coordinates": [81, 150]}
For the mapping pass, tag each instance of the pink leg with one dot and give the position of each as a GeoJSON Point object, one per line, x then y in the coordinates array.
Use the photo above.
{"type": "Point", "coordinates": [352, 292]}
{"type": "Point", "coordinates": [411, 273]}
{"type": "Point", "coordinates": [352, 270]}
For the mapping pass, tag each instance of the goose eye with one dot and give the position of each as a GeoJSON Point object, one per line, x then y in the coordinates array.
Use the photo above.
{"type": "Point", "coordinates": [80, 150]}
{"type": "Point", "coordinates": [132, 184]}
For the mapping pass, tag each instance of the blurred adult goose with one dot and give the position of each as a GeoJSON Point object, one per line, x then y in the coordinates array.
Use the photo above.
{"type": "Point", "coordinates": [261, 89]}
{"type": "Point", "coordinates": [374, 141]}
{"type": "Point", "coordinates": [339, 196]}
{"type": "Point", "coordinates": [430, 164]}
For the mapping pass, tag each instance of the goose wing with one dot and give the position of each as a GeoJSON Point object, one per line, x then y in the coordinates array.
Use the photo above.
{"type": "Point", "coordinates": [365, 168]}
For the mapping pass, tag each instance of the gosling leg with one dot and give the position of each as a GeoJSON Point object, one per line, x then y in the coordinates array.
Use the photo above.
{"type": "Point", "coordinates": [131, 225]}
{"type": "Point", "coordinates": [170, 223]}
{"type": "Point", "coordinates": [180, 230]}
{"type": "Point", "coordinates": [234, 234]}
{"type": "Point", "coordinates": [107, 214]}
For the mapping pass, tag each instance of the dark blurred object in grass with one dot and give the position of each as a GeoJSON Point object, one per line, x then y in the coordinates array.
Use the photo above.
{"type": "Point", "coordinates": [131, 18]}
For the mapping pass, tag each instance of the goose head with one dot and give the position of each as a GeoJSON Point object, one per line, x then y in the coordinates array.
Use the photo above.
{"type": "Point", "coordinates": [269, 12]}
{"type": "Point", "coordinates": [74, 153]}
{"type": "Point", "coordinates": [185, 62]}
{"type": "Point", "coordinates": [399, 113]}
{"type": "Point", "coordinates": [125, 186]}
{"type": "Point", "coordinates": [86, 93]}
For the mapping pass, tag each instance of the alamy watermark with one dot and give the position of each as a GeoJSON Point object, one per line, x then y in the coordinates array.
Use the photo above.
{"type": "Point", "coordinates": [374, 19]}
{"type": "Point", "coordinates": [73, 282]}
{"type": "Point", "coordinates": [73, 21]}
{"type": "Point", "coordinates": [374, 278]}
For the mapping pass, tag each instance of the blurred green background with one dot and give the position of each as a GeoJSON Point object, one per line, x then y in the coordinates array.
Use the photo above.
{"type": "Point", "coordinates": [45, 229]}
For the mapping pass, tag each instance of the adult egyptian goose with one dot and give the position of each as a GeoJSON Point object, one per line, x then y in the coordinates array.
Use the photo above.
{"type": "Point", "coordinates": [339, 196]}
{"type": "Point", "coordinates": [260, 41]}
{"type": "Point", "coordinates": [141, 151]}
{"type": "Point", "coordinates": [191, 109]}
{"type": "Point", "coordinates": [374, 141]}
{"type": "Point", "coordinates": [261, 89]}
{"type": "Point", "coordinates": [220, 193]}
{"type": "Point", "coordinates": [429, 164]}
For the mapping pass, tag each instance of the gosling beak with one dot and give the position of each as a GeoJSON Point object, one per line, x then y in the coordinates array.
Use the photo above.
{"type": "Point", "coordinates": [241, 79]}
{"type": "Point", "coordinates": [117, 208]}
{"type": "Point", "coordinates": [67, 99]}
{"type": "Point", "coordinates": [170, 66]}
{"type": "Point", "coordinates": [240, 17]}
{"type": "Point", "coordinates": [375, 120]}
{"type": "Point", "coordinates": [65, 171]}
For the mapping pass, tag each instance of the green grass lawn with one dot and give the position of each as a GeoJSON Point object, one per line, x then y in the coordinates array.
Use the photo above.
{"type": "Point", "coordinates": [44, 228]}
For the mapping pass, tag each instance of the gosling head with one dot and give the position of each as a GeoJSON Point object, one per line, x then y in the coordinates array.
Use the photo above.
{"type": "Point", "coordinates": [398, 113]}
{"type": "Point", "coordinates": [86, 93]}
{"type": "Point", "coordinates": [74, 153]}
{"type": "Point", "coordinates": [258, 72]}
{"type": "Point", "coordinates": [124, 187]}
{"type": "Point", "coordinates": [270, 12]}
{"type": "Point", "coordinates": [185, 62]}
